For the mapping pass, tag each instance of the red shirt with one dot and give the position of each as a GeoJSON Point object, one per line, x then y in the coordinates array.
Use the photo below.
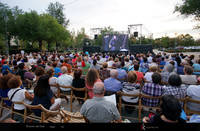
{"type": "Point", "coordinates": [140, 76]}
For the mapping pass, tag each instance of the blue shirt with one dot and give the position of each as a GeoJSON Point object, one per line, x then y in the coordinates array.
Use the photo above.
{"type": "Point", "coordinates": [6, 68]}
{"type": "Point", "coordinates": [57, 71]}
{"type": "Point", "coordinates": [162, 63]}
{"type": "Point", "coordinates": [4, 94]}
{"type": "Point", "coordinates": [45, 101]}
{"type": "Point", "coordinates": [180, 70]}
{"type": "Point", "coordinates": [196, 68]}
{"type": "Point", "coordinates": [112, 85]}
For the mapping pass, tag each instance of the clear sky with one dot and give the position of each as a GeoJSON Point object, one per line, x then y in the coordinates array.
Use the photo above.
{"type": "Point", "coordinates": [156, 16]}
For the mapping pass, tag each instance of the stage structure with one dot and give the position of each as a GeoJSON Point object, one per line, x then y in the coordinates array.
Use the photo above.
{"type": "Point", "coordinates": [135, 27]}
{"type": "Point", "coordinates": [119, 42]}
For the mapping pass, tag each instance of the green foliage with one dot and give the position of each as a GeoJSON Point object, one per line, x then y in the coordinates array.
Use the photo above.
{"type": "Point", "coordinates": [56, 10]}
{"type": "Point", "coordinates": [190, 7]}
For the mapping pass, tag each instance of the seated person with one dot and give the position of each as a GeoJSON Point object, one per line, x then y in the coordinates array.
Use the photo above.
{"type": "Point", "coordinates": [193, 91]}
{"type": "Point", "coordinates": [170, 112]}
{"type": "Point", "coordinates": [130, 87]}
{"type": "Point", "coordinates": [175, 87]}
{"type": "Point", "coordinates": [148, 75]}
{"type": "Point", "coordinates": [112, 85]}
{"type": "Point", "coordinates": [4, 89]}
{"type": "Point", "coordinates": [188, 78]}
{"type": "Point", "coordinates": [78, 82]}
{"type": "Point", "coordinates": [44, 96]}
{"type": "Point", "coordinates": [97, 109]}
{"type": "Point", "coordinates": [152, 89]}
{"type": "Point", "coordinates": [17, 94]}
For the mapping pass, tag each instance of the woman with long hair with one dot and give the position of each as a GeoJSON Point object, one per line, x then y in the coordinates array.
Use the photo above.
{"type": "Point", "coordinates": [43, 95]}
{"type": "Point", "coordinates": [91, 78]}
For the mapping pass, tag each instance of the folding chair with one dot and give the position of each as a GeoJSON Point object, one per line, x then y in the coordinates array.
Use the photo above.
{"type": "Point", "coordinates": [190, 111]}
{"type": "Point", "coordinates": [141, 106]}
{"type": "Point", "coordinates": [45, 114]}
{"type": "Point", "coordinates": [73, 96]}
{"type": "Point", "coordinates": [73, 117]}
{"type": "Point", "coordinates": [3, 105]}
{"type": "Point", "coordinates": [120, 94]}
{"type": "Point", "coordinates": [63, 95]}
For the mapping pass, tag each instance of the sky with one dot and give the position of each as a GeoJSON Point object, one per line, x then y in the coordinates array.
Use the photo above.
{"type": "Point", "coordinates": [156, 16]}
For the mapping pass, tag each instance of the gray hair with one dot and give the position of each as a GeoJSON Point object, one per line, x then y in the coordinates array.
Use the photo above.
{"type": "Point", "coordinates": [98, 88]}
{"type": "Point", "coordinates": [168, 68]}
{"type": "Point", "coordinates": [113, 73]}
{"type": "Point", "coordinates": [64, 69]}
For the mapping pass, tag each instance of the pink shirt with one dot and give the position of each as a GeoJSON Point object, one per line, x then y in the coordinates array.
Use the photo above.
{"type": "Point", "coordinates": [90, 91]}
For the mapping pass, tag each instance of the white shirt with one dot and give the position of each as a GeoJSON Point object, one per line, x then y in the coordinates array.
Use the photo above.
{"type": "Point", "coordinates": [149, 59]}
{"type": "Point", "coordinates": [65, 80]}
{"type": "Point", "coordinates": [18, 97]}
{"type": "Point", "coordinates": [110, 63]}
{"type": "Point", "coordinates": [193, 91]}
{"type": "Point", "coordinates": [102, 60]}
{"type": "Point", "coordinates": [148, 76]}
{"type": "Point", "coordinates": [52, 81]}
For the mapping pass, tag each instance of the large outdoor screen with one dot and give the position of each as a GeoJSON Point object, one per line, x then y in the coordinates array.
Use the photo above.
{"type": "Point", "coordinates": [115, 42]}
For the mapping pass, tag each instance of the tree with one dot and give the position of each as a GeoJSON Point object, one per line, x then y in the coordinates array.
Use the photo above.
{"type": "Point", "coordinates": [79, 39]}
{"type": "Point", "coordinates": [56, 10]}
{"type": "Point", "coordinates": [188, 8]}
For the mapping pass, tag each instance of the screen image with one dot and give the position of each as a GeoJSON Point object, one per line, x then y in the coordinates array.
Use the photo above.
{"type": "Point", "coordinates": [115, 42]}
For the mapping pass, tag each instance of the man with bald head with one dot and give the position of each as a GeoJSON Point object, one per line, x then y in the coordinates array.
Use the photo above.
{"type": "Point", "coordinates": [98, 110]}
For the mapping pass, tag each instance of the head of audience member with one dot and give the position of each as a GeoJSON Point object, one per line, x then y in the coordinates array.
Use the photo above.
{"type": "Point", "coordinates": [99, 89]}
{"type": "Point", "coordinates": [94, 62]}
{"type": "Point", "coordinates": [4, 80]}
{"type": "Point", "coordinates": [132, 77]}
{"type": "Point", "coordinates": [114, 73]}
{"type": "Point", "coordinates": [172, 62]}
{"type": "Point", "coordinates": [64, 70]}
{"type": "Point", "coordinates": [156, 78]}
{"type": "Point", "coordinates": [79, 59]}
{"type": "Point", "coordinates": [174, 80]}
{"type": "Point", "coordinates": [188, 70]}
{"type": "Point", "coordinates": [153, 68]}
{"type": "Point", "coordinates": [198, 61]}
{"type": "Point", "coordinates": [21, 66]}
{"type": "Point", "coordinates": [77, 73]}
{"type": "Point", "coordinates": [50, 72]}
{"type": "Point", "coordinates": [39, 72]}
{"type": "Point", "coordinates": [91, 77]}
{"type": "Point", "coordinates": [105, 65]}
{"type": "Point", "coordinates": [136, 66]}
{"type": "Point", "coordinates": [168, 68]}
{"type": "Point", "coordinates": [170, 107]}
{"type": "Point", "coordinates": [42, 86]}
{"type": "Point", "coordinates": [54, 64]}
{"type": "Point", "coordinates": [14, 82]}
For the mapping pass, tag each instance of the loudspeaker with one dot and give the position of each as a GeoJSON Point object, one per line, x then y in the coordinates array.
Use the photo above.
{"type": "Point", "coordinates": [135, 34]}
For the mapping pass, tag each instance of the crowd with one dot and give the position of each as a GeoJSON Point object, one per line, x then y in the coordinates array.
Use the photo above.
{"type": "Point", "coordinates": [171, 76]}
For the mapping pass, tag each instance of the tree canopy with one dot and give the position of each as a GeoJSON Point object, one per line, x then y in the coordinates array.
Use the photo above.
{"type": "Point", "coordinates": [188, 8]}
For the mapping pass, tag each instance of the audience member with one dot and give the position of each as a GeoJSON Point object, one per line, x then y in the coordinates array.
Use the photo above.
{"type": "Point", "coordinates": [98, 110]}
{"type": "Point", "coordinates": [44, 96]}
{"type": "Point", "coordinates": [152, 89]}
{"type": "Point", "coordinates": [91, 78]}
{"type": "Point", "coordinates": [112, 85]}
{"type": "Point", "coordinates": [170, 112]}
